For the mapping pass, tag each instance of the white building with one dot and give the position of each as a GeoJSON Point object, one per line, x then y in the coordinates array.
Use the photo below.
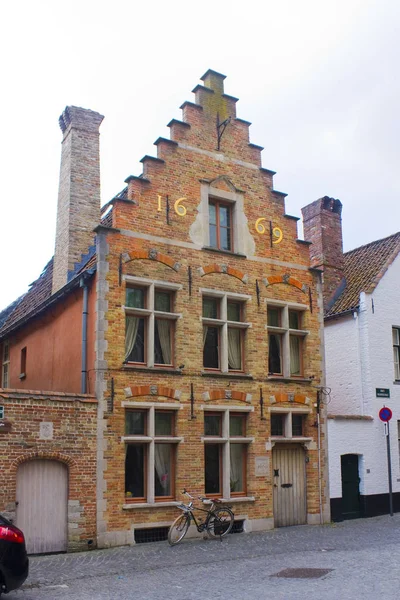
{"type": "Point", "coordinates": [362, 354]}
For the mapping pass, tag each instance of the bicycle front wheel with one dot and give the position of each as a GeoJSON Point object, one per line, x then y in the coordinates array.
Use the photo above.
{"type": "Point", "coordinates": [220, 522]}
{"type": "Point", "coordinates": [178, 529]}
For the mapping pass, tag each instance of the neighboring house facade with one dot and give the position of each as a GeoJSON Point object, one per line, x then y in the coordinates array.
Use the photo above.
{"type": "Point", "coordinates": [362, 345]}
{"type": "Point", "coordinates": [196, 322]}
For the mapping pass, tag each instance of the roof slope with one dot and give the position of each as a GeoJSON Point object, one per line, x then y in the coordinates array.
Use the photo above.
{"type": "Point", "coordinates": [363, 269]}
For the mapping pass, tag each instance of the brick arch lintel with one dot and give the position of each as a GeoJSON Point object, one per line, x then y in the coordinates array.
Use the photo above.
{"type": "Point", "coordinates": [35, 454]}
{"type": "Point", "coordinates": [222, 394]}
{"type": "Point", "coordinates": [291, 398]}
{"type": "Point", "coordinates": [152, 390]}
{"type": "Point", "coordinates": [225, 269]}
{"type": "Point", "coordinates": [151, 254]}
{"type": "Point", "coordinates": [288, 279]}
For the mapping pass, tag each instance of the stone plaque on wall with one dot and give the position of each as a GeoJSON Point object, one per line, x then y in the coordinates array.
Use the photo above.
{"type": "Point", "coordinates": [262, 466]}
{"type": "Point", "coordinates": [46, 431]}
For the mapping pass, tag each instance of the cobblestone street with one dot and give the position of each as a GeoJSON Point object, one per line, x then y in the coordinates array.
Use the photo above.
{"type": "Point", "coordinates": [360, 560]}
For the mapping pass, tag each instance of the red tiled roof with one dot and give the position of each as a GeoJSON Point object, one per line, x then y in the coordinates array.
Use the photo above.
{"type": "Point", "coordinates": [363, 269]}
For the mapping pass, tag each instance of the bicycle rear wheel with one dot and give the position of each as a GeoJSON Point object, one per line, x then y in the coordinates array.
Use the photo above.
{"type": "Point", "coordinates": [178, 529]}
{"type": "Point", "coordinates": [220, 522]}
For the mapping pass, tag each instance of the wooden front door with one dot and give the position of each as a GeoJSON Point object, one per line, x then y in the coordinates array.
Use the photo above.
{"type": "Point", "coordinates": [351, 506]}
{"type": "Point", "coordinates": [42, 498]}
{"type": "Point", "coordinates": [289, 481]}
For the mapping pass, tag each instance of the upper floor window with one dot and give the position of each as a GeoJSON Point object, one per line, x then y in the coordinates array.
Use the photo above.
{"type": "Point", "coordinates": [150, 323]}
{"type": "Point", "coordinates": [396, 352]}
{"type": "Point", "coordinates": [220, 223]}
{"type": "Point", "coordinates": [223, 331]}
{"type": "Point", "coordinates": [5, 373]}
{"type": "Point", "coordinates": [286, 338]}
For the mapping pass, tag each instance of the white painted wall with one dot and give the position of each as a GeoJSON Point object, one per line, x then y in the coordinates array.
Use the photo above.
{"type": "Point", "coordinates": [359, 359]}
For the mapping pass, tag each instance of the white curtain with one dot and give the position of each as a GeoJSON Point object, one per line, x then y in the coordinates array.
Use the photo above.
{"type": "Point", "coordinates": [164, 335]}
{"type": "Point", "coordinates": [234, 349]}
{"type": "Point", "coordinates": [131, 330]}
{"type": "Point", "coordinates": [236, 474]}
{"type": "Point", "coordinates": [294, 355]}
{"type": "Point", "coordinates": [162, 460]}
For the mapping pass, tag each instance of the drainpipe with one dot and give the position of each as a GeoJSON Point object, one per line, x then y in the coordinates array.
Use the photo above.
{"type": "Point", "coordinates": [319, 456]}
{"type": "Point", "coordinates": [83, 284]}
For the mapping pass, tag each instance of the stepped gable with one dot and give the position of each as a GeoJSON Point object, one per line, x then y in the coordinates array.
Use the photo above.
{"type": "Point", "coordinates": [209, 124]}
{"type": "Point", "coordinates": [363, 269]}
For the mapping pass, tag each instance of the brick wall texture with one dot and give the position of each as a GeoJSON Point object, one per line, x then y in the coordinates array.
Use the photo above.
{"type": "Point", "coordinates": [73, 442]}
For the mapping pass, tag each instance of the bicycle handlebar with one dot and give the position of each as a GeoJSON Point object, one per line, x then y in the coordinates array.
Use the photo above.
{"type": "Point", "coordinates": [202, 498]}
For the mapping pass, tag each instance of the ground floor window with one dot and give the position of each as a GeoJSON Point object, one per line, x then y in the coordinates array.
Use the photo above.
{"type": "Point", "coordinates": [225, 453]}
{"type": "Point", "coordinates": [150, 454]}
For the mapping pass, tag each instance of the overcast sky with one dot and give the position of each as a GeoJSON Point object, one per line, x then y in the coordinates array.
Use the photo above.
{"type": "Point", "coordinates": [318, 79]}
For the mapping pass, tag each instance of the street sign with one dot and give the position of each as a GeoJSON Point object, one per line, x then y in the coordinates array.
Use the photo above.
{"type": "Point", "coordinates": [385, 414]}
{"type": "Point", "coordinates": [382, 392]}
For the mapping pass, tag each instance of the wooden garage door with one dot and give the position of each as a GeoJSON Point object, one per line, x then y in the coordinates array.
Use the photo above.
{"type": "Point", "coordinates": [289, 485]}
{"type": "Point", "coordinates": [42, 496]}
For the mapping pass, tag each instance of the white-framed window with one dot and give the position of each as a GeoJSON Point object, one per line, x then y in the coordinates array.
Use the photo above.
{"type": "Point", "coordinates": [150, 452]}
{"type": "Point", "coordinates": [224, 329]}
{"type": "Point", "coordinates": [286, 339]}
{"type": "Point", "coordinates": [150, 322]}
{"type": "Point", "coordinates": [226, 451]}
{"type": "Point", "coordinates": [289, 423]}
{"type": "Point", "coordinates": [5, 371]}
{"type": "Point", "coordinates": [396, 352]}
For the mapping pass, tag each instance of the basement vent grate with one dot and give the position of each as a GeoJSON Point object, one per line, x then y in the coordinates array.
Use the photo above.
{"type": "Point", "coordinates": [237, 527]}
{"type": "Point", "coordinates": [154, 534]}
{"type": "Point", "coordinates": [302, 573]}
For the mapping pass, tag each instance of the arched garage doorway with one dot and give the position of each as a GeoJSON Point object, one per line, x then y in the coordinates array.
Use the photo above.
{"type": "Point", "coordinates": [42, 501]}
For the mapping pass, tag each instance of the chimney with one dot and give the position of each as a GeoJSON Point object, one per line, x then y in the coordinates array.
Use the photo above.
{"type": "Point", "coordinates": [322, 223]}
{"type": "Point", "coordinates": [78, 210]}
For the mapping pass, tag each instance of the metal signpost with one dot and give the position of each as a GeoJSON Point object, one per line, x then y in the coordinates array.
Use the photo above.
{"type": "Point", "coordinates": [385, 414]}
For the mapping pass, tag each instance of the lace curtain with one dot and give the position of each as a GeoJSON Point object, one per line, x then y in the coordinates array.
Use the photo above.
{"type": "Point", "coordinates": [131, 330]}
{"type": "Point", "coordinates": [236, 474]}
{"type": "Point", "coordinates": [162, 463]}
{"type": "Point", "coordinates": [234, 349]}
{"type": "Point", "coordinates": [164, 335]}
{"type": "Point", "coordinates": [294, 355]}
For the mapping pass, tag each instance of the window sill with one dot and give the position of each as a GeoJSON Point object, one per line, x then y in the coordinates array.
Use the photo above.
{"type": "Point", "coordinates": [228, 252]}
{"type": "Point", "coordinates": [133, 505]}
{"type": "Point", "coordinates": [396, 382]}
{"type": "Point", "coordinates": [289, 379]}
{"type": "Point", "coordinates": [226, 375]}
{"type": "Point", "coordinates": [291, 440]}
{"type": "Point", "coordinates": [169, 370]}
{"type": "Point", "coordinates": [233, 500]}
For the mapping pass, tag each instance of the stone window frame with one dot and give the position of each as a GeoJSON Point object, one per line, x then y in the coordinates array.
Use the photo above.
{"type": "Point", "coordinates": [225, 440]}
{"type": "Point", "coordinates": [236, 201]}
{"type": "Point", "coordinates": [223, 324]}
{"type": "Point", "coordinates": [287, 423]}
{"type": "Point", "coordinates": [150, 439]}
{"type": "Point", "coordinates": [285, 332]}
{"type": "Point", "coordinates": [149, 313]}
{"type": "Point", "coordinates": [5, 370]}
{"type": "Point", "coordinates": [396, 353]}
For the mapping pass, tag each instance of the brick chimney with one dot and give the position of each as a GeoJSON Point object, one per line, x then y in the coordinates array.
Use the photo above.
{"type": "Point", "coordinates": [78, 210]}
{"type": "Point", "coordinates": [322, 223]}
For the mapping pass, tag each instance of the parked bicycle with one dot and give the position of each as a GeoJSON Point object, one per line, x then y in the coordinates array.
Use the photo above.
{"type": "Point", "coordinates": [218, 521]}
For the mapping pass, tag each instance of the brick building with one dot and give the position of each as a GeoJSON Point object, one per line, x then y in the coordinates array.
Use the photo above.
{"type": "Point", "coordinates": [196, 321]}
